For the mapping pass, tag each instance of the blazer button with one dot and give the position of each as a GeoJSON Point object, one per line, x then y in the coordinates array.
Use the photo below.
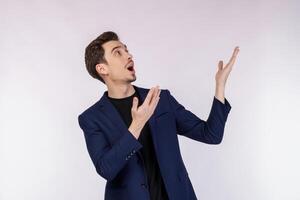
{"type": "Point", "coordinates": [144, 185]}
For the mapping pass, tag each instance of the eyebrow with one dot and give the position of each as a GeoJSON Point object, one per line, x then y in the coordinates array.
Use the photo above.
{"type": "Point", "coordinates": [118, 47]}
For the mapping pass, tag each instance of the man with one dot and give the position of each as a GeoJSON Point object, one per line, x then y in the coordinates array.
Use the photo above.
{"type": "Point", "coordinates": [131, 132]}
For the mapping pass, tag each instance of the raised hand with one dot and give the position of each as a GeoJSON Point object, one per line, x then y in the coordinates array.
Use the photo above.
{"type": "Point", "coordinates": [224, 71]}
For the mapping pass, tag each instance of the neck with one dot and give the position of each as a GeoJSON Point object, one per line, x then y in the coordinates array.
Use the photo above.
{"type": "Point", "coordinates": [120, 91]}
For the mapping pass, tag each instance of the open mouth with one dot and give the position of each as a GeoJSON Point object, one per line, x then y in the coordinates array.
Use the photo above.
{"type": "Point", "coordinates": [130, 68]}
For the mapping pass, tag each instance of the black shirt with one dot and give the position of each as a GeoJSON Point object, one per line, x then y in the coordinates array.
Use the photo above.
{"type": "Point", "coordinates": [156, 186]}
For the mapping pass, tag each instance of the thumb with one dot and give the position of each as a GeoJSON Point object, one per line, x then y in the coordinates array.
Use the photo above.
{"type": "Point", "coordinates": [220, 65]}
{"type": "Point", "coordinates": [135, 103]}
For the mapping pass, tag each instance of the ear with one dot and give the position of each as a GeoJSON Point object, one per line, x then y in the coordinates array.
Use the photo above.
{"type": "Point", "coordinates": [101, 69]}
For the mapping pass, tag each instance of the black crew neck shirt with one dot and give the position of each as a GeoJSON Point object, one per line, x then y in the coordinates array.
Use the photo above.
{"type": "Point", "coordinates": [155, 182]}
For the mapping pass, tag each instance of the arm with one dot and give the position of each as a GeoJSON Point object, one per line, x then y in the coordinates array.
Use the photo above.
{"type": "Point", "coordinates": [219, 93]}
{"type": "Point", "coordinates": [212, 130]}
{"type": "Point", "coordinates": [108, 160]}
{"type": "Point", "coordinates": [189, 125]}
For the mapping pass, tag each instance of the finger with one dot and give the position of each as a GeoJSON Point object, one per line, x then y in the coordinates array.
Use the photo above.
{"type": "Point", "coordinates": [154, 94]}
{"type": "Point", "coordinates": [135, 103]}
{"type": "Point", "coordinates": [233, 57]}
{"type": "Point", "coordinates": [220, 65]}
{"type": "Point", "coordinates": [157, 92]}
{"type": "Point", "coordinates": [154, 104]}
{"type": "Point", "coordinates": [149, 95]}
{"type": "Point", "coordinates": [236, 51]}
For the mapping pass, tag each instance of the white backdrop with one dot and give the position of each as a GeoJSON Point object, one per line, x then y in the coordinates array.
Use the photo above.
{"type": "Point", "coordinates": [177, 44]}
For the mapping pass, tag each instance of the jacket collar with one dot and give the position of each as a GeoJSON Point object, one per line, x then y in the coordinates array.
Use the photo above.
{"type": "Point", "coordinates": [141, 91]}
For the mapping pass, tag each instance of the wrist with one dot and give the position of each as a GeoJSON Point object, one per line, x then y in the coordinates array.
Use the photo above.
{"type": "Point", "coordinates": [220, 93]}
{"type": "Point", "coordinates": [220, 85]}
{"type": "Point", "coordinates": [135, 128]}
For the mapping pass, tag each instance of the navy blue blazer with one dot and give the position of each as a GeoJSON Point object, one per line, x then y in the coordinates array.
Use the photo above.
{"type": "Point", "coordinates": [115, 151]}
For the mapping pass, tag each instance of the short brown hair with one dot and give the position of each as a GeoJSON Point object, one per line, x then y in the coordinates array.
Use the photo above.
{"type": "Point", "coordinates": [94, 53]}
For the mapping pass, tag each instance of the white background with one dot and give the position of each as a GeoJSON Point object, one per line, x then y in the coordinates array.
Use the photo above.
{"type": "Point", "coordinates": [176, 44]}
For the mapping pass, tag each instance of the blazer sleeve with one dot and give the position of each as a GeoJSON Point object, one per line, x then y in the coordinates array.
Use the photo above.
{"type": "Point", "coordinates": [189, 125]}
{"type": "Point", "coordinates": [108, 160]}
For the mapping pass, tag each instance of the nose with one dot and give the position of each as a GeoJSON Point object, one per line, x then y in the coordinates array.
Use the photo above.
{"type": "Point", "coordinates": [129, 56]}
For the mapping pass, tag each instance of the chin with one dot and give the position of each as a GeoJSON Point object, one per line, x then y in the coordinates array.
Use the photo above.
{"type": "Point", "coordinates": [132, 80]}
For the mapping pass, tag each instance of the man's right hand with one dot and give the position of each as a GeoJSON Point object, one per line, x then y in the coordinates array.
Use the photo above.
{"type": "Point", "coordinates": [140, 115]}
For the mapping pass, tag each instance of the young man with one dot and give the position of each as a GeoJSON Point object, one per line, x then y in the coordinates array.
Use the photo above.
{"type": "Point", "coordinates": [131, 132]}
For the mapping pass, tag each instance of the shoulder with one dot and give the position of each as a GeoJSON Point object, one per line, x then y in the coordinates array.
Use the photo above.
{"type": "Point", "coordinates": [88, 112]}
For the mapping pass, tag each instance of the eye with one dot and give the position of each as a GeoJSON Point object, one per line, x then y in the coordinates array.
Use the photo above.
{"type": "Point", "coordinates": [118, 52]}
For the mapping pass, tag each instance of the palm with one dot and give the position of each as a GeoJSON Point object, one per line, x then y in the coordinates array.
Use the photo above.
{"type": "Point", "coordinates": [224, 71]}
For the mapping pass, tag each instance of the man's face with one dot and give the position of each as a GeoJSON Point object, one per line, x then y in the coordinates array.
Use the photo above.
{"type": "Point", "coordinates": [119, 67]}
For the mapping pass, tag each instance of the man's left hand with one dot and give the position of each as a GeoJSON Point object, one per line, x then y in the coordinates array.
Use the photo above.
{"type": "Point", "coordinates": [222, 75]}
{"type": "Point", "coordinates": [224, 71]}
